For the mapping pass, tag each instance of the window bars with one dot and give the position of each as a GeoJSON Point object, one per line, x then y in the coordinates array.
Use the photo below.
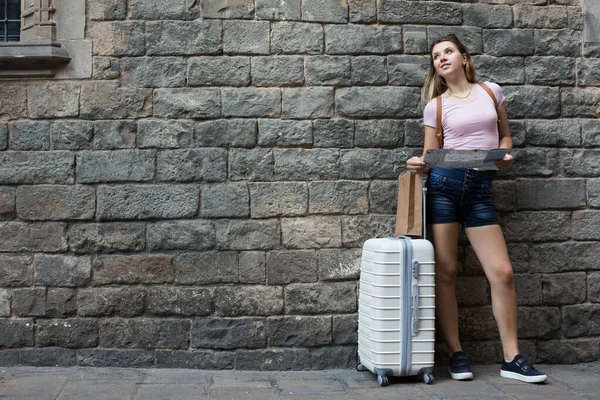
{"type": "Point", "coordinates": [10, 20]}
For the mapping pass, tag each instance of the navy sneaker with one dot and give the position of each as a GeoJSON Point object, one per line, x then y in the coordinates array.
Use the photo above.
{"type": "Point", "coordinates": [459, 367]}
{"type": "Point", "coordinates": [521, 369]}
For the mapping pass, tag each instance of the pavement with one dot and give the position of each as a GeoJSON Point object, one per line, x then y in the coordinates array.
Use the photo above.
{"type": "Point", "coordinates": [566, 382]}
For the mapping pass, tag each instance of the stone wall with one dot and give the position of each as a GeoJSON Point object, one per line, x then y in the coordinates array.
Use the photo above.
{"type": "Point", "coordinates": [200, 199]}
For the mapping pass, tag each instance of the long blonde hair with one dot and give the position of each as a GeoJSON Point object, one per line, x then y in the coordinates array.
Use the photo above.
{"type": "Point", "coordinates": [435, 85]}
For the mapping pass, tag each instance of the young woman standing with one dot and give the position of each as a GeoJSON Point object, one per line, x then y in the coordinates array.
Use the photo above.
{"type": "Point", "coordinates": [462, 197]}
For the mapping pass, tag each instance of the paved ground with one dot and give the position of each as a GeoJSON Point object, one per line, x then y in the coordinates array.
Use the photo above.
{"type": "Point", "coordinates": [567, 382]}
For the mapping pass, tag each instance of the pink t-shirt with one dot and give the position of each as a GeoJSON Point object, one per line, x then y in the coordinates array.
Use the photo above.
{"type": "Point", "coordinates": [468, 125]}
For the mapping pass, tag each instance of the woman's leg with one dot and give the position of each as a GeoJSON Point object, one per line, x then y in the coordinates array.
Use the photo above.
{"type": "Point", "coordinates": [490, 248]}
{"type": "Point", "coordinates": [445, 242]}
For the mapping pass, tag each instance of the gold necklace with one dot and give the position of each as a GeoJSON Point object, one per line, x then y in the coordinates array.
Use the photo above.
{"type": "Point", "coordinates": [462, 98]}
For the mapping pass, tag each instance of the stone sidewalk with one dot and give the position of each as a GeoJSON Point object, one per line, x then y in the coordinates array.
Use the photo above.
{"type": "Point", "coordinates": [566, 382]}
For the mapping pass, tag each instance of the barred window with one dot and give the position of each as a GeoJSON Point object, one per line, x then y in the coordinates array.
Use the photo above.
{"type": "Point", "coordinates": [10, 20]}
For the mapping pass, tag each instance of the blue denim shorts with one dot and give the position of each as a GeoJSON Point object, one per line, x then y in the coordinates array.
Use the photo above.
{"type": "Point", "coordinates": [460, 195]}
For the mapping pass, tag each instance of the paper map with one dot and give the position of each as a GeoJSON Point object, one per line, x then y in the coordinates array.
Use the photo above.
{"type": "Point", "coordinates": [481, 159]}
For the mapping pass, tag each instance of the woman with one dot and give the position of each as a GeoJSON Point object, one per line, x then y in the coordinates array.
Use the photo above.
{"type": "Point", "coordinates": [462, 197]}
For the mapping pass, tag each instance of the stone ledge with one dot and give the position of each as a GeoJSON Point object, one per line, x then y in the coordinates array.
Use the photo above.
{"type": "Point", "coordinates": [35, 58]}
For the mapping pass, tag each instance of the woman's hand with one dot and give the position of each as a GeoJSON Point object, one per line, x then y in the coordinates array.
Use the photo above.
{"type": "Point", "coordinates": [506, 162]}
{"type": "Point", "coordinates": [416, 165]}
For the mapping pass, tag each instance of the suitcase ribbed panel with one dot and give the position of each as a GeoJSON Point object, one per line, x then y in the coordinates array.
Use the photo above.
{"type": "Point", "coordinates": [380, 325]}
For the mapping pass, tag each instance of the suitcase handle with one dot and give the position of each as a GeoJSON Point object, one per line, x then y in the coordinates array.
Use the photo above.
{"type": "Point", "coordinates": [415, 308]}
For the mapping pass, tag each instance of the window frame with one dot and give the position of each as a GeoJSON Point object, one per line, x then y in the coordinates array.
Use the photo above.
{"type": "Point", "coordinates": [5, 38]}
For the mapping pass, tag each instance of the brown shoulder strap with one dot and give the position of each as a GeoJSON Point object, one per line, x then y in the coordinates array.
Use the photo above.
{"type": "Point", "coordinates": [489, 91]}
{"type": "Point", "coordinates": [438, 117]}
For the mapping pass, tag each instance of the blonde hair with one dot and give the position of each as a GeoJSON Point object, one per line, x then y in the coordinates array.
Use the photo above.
{"type": "Point", "coordinates": [435, 85]}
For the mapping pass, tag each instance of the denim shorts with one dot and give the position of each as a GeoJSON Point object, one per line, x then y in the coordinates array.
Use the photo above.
{"type": "Point", "coordinates": [460, 195]}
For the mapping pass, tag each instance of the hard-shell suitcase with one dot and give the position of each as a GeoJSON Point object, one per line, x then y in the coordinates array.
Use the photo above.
{"type": "Point", "coordinates": [396, 310]}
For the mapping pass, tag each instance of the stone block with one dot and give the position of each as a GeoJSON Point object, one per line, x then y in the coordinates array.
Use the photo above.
{"type": "Point", "coordinates": [7, 203]}
{"type": "Point", "coordinates": [273, 359]}
{"type": "Point", "coordinates": [414, 134]}
{"type": "Point", "coordinates": [106, 10]}
{"type": "Point", "coordinates": [544, 194]}
{"type": "Point", "coordinates": [115, 166]}
{"type": "Point", "coordinates": [225, 9]}
{"type": "Point", "coordinates": [593, 191]}
{"type": "Point", "coordinates": [16, 271]}
{"type": "Point", "coordinates": [369, 102]}
{"type": "Point", "coordinates": [579, 163]}
{"type": "Point", "coordinates": [588, 72]}
{"type": "Point", "coordinates": [278, 199]}
{"type": "Point", "coordinates": [229, 333]}
{"type": "Point", "coordinates": [579, 102]}
{"type": "Point", "coordinates": [362, 11]}
{"type": "Point", "coordinates": [291, 266]}
{"type": "Point", "coordinates": [181, 235]}
{"type": "Point", "coordinates": [535, 162]}
{"type": "Point", "coordinates": [553, 133]}
{"type": "Point", "coordinates": [331, 357]}
{"type": "Point", "coordinates": [246, 37]}
{"type": "Point", "coordinates": [147, 201]}
{"type": "Point", "coordinates": [477, 323]}
{"type": "Point", "coordinates": [53, 100]}
{"type": "Point", "coordinates": [71, 333]}
{"type": "Point", "coordinates": [593, 287]}
{"type": "Point", "coordinates": [585, 225]}
{"type": "Point", "coordinates": [116, 38]}
{"type": "Point", "coordinates": [59, 270]}
{"type": "Point", "coordinates": [581, 320]}
{"type": "Point", "coordinates": [48, 357]}
{"type": "Point", "coordinates": [252, 265]}
{"type": "Point", "coordinates": [251, 102]}
{"type": "Point", "coordinates": [372, 163]}
{"type": "Point", "coordinates": [35, 237]}
{"type": "Point", "coordinates": [61, 302]}
{"type": "Point", "coordinates": [470, 36]}
{"type": "Point", "coordinates": [311, 232]}
{"type": "Point", "coordinates": [111, 302]}
{"type": "Point", "coordinates": [568, 351]}
{"type": "Point", "coordinates": [5, 297]}
{"type": "Point", "coordinates": [147, 333]}
{"type": "Point", "coordinates": [170, 38]}
{"type": "Point", "coordinates": [10, 358]}
{"type": "Point", "coordinates": [207, 360]}
{"type": "Point", "coordinates": [529, 290]}
{"type": "Point", "coordinates": [145, 269]}
{"type": "Point", "coordinates": [106, 237]}
{"type": "Point", "coordinates": [415, 39]}
{"type": "Point", "coordinates": [339, 264]}
{"type": "Point", "coordinates": [540, 17]}
{"type": "Point", "coordinates": [227, 133]}
{"type": "Point", "coordinates": [207, 165]}
{"type": "Point", "coordinates": [369, 70]}
{"type": "Point", "coordinates": [157, 9]}
{"type": "Point", "coordinates": [277, 71]}
{"type": "Point", "coordinates": [307, 164]}
{"type": "Point", "coordinates": [251, 164]}
{"type": "Point", "coordinates": [29, 302]}
{"type": "Point", "coordinates": [333, 133]}
{"type": "Point", "coordinates": [533, 101]}
{"type": "Point", "coordinates": [154, 72]}
{"type": "Point", "coordinates": [383, 196]}
{"type": "Point", "coordinates": [55, 202]}
{"type": "Point", "coordinates": [567, 288]}
{"type": "Point", "coordinates": [179, 301]}
{"type": "Point", "coordinates": [488, 16]}
{"type": "Point", "coordinates": [16, 332]}
{"type": "Point", "coordinates": [575, 17]}
{"type": "Point", "coordinates": [206, 268]}
{"type": "Point", "coordinates": [108, 100]}
{"type": "Point", "coordinates": [248, 301]}
{"type": "Point", "coordinates": [309, 298]}
{"type": "Point", "coordinates": [248, 234]}
{"type": "Point", "coordinates": [409, 12]}
{"type": "Point", "coordinates": [284, 133]}
{"type": "Point", "coordinates": [505, 196]}
{"type": "Point", "coordinates": [550, 71]}
{"type": "Point", "coordinates": [472, 291]}
{"type": "Point", "coordinates": [71, 135]}
{"type": "Point", "coordinates": [357, 229]}
{"type": "Point", "coordinates": [165, 134]}
{"type": "Point", "coordinates": [296, 37]}
{"type": "Point", "coordinates": [362, 39]}
{"type": "Point", "coordinates": [110, 135]}
{"type": "Point", "coordinates": [14, 101]}
{"type": "Point", "coordinates": [3, 136]}
{"type": "Point", "coordinates": [218, 71]}
{"type": "Point", "coordinates": [299, 331]}
{"type": "Point", "coordinates": [338, 197]}
{"type": "Point", "coordinates": [407, 70]}
{"type": "Point", "coordinates": [557, 42]}
{"type": "Point", "coordinates": [379, 133]}
{"type": "Point", "coordinates": [501, 70]}
{"type": "Point", "coordinates": [517, 131]}
{"type": "Point", "coordinates": [555, 257]}
{"type": "Point", "coordinates": [29, 135]}
{"type": "Point", "coordinates": [328, 70]}
{"type": "Point", "coordinates": [104, 68]}
{"type": "Point", "coordinates": [344, 329]}
{"type": "Point", "coordinates": [509, 42]}
{"type": "Point", "coordinates": [308, 102]}
{"type": "Point", "coordinates": [278, 10]}
{"type": "Point", "coordinates": [187, 103]}
{"type": "Point", "coordinates": [537, 226]}
{"type": "Point", "coordinates": [115, 358]}
{"type": "Point", "coordinates": [325, 11]}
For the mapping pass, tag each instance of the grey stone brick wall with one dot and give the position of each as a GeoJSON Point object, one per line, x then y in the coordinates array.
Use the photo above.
{"type": "Point", "coordinates": [200, 199]}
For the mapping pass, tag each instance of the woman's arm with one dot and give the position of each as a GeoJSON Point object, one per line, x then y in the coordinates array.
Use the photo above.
{"type": "Point", "coordinates": [505, 141]}
{"type": "Point", "coordinates": [416, 164]}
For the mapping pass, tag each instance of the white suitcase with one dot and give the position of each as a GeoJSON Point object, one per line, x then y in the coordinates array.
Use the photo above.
{"type": "Point", "coordinates": [396, 309]}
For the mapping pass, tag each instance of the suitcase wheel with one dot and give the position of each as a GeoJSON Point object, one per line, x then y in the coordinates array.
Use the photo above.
{"type": "Point", "coordinates": [360, 367]}
{"type": "Point", "coordinates": [382, 379]}
{"type": "Point", "coordinates": [428, 378]}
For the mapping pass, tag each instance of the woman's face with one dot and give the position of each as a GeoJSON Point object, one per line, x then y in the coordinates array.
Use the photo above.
{"type": "Point", "coordinates": [446, 58]}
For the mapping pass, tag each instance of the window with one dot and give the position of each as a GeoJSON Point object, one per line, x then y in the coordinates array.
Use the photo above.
{"type": "Point", "coordinates": [10, 20]}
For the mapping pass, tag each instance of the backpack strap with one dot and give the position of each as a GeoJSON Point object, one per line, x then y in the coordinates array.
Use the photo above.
{"type": "Point", "coordinates": [490, 93]}
{"type": "Point", "coordinates": [438, 116]}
